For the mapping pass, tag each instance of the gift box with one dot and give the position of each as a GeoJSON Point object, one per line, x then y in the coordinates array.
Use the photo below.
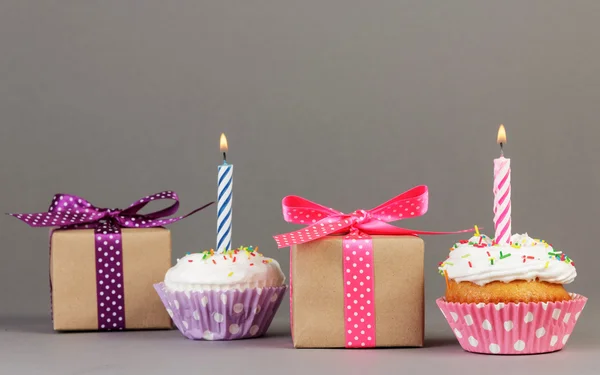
{"type": "Point", "coordinates": [75, 288]}
{"type": "Point", "coordinates": [356, 281]}
{"type": "Point", "coordinates": [104, 262]}
{"type": "Point", "coordinates": [318, 294]}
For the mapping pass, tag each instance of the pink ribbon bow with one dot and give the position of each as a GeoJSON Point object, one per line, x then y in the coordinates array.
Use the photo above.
{"type": "Point", "coordinates": [357, 247]}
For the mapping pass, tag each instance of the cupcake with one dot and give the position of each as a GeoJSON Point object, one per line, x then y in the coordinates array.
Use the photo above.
{"type": "Point", "coordinates": [509, 299]}
{"type": "Point", "coordinates": [223, 296]}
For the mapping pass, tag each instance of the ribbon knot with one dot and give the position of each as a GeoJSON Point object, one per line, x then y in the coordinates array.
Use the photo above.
{"type": "Point", "coordinates": [109, 214]}
{"type": "Point", "coordinates": [357, 249]}
{"type": "Point", "coordinates": [323, 221]}
{"type": "Point", "coordinates": [73, 212]}
{"type": "Point", "coordinates": [361, 216]}
{"type": "Point", "coordinates": [70, 211]}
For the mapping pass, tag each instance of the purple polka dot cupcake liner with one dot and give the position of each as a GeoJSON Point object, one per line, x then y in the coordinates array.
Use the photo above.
{"type": "Point", "coordinates": [523, 328]}
{"type": "Point", "coordinates": [222, 315]}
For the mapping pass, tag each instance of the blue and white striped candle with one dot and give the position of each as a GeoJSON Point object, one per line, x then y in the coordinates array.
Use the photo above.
{"type": "Point", "coordinates": [224, 201]}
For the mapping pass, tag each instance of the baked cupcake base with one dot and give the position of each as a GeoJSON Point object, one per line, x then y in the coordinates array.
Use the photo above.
{"type": "Point", "coordinates": [497, 291]}
{"type": "Point", "coordinates": [222, 315]}
{"type": "Point", "coordinates": [509, 328]}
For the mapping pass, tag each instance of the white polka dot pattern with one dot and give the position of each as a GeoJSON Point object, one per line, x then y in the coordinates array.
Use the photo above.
{"type": "Point", "coordinates": [523, 328]}
{"type": "Point", "coordinates": [109, 277]}
{"type": "Point", "coordinates": [73, 212]}
{"type": "Point", "coordinates": [240, 318]}
{"type": "Point", "coordinates": [359, 295]}
{"type": "Point", "coordinates": [323, 221]}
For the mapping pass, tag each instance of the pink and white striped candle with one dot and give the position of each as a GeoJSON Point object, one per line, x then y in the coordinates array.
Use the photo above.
{"type": "Point", "coordinates": [502, 209]}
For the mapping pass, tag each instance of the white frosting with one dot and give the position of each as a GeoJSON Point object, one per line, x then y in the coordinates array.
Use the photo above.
{"type": "Point", "coordinates": [240, 270]}
{"type": "Point", "coordinates": [467, 262]}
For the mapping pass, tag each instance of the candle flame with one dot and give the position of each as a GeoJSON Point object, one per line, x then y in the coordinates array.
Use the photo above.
{"type": "Point", "coordinates": [501, 135]}
{"type": "Point", "coordinates": [223, 143]}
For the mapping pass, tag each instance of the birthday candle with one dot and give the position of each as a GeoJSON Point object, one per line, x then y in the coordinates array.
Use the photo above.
{"type": "Point", "coordinates": [502, 210]}
{"type": "Point", "coordinates": [224, 201]}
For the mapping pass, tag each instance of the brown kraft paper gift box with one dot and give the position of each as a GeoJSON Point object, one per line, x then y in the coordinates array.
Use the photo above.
{"type": "Point", "coordinates": [317, 292]}
{"type": "Point", "coordinates": [146, 259]}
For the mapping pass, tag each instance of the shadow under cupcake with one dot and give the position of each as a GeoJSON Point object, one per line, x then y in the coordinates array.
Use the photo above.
{"type": "Point", "coordinates": [223, 296]}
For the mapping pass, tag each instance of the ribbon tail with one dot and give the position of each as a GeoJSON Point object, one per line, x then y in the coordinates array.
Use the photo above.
{"type": "Point", "coordinates": [377, 227]}
{"type": "Point", "coordinates": [425, 232]}
{"type": "Point", "coordinates": [197, 210]}
{"type": "Point", "coordinates": [52, 219]}
{"type": "Point", "coordinates": [150, 221]}
{"type": "Point", "coordinates": [26, 218]}
{"type": "Point", "coordinates": [135, 207]}
{"type": "Point", "coordinates": [313, 232]}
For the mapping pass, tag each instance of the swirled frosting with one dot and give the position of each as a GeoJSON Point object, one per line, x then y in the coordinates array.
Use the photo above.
{"type": "Point", "coordinates": [480, 260]}
{"type": "Point", "coordinates": [240, 269]}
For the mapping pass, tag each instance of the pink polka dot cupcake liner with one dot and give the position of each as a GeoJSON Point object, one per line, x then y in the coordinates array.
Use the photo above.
{"type": "Point", "coordinates": [222, 315]}
{"type": "Point", "coordinates": [523, 328]}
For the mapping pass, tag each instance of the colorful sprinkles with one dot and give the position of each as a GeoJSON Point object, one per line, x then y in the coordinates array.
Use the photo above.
{"type": "Point", "coordinates": [232, 255]}
{"type": "Point", "coordinates": [527, 257]}
{"type": "Point", "coordinates": [484, 242]}
{"type": "Point", "coordinates": [503, 256]}
{"type": "Point", "coordinates": [210, 256]}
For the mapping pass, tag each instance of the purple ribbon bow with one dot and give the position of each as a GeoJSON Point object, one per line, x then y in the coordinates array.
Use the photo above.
{"type": "Point", "coordinates": [72, 212]}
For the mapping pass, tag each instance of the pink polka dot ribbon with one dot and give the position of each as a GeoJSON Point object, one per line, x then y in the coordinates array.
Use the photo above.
{"type": "Point", "coordinates": [72, 212]}
{"type": "Point", "coordinates": [357, 249]}
{"type": "Point", "coordinates": [359, 291]}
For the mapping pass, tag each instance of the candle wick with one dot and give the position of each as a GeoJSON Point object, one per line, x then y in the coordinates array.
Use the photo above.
{"type": "Point", "coordinates": [224, 157]}
{"type": "Point", "coordinates": [501, 149]}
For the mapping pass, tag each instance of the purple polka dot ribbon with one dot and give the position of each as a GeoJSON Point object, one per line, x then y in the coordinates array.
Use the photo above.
{"type": "Point", "coordinates": [72, 212]}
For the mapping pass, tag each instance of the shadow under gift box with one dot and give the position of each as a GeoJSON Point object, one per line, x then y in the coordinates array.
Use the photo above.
{"type": "Point", "coordinates": [317, 292]}
{"type": "Point", "coordinates": [146, 259]}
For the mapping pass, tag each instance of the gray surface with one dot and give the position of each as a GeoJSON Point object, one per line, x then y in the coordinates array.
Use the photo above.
{"type": "Point", "coordinates": [29, 346]}
{"type": "Point", "coordinates": [344, 102]}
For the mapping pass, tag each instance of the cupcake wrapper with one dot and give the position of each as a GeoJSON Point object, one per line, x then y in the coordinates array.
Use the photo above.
{"type": "Point", "coordinates": [524, 328]}
{"type": "Point", "coordinates": [222, 315]}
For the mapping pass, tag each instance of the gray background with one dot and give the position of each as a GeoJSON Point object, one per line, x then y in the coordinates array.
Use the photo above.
{"type": "Point", "coordinates": [347, 103]}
